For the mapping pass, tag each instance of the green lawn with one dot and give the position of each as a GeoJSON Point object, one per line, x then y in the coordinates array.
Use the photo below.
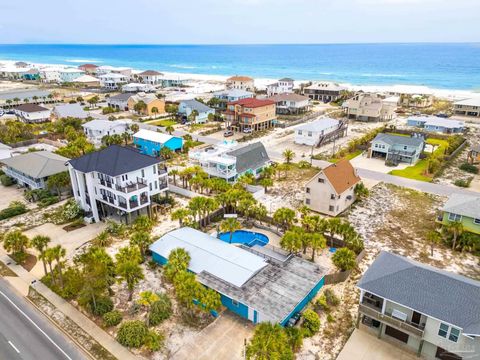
{"type": "Point", "coordinates": [417, 172]}
{"type": "Point", "coordinates": [349, 156]}
{"type": "Point", "coordinates": [163, 122]}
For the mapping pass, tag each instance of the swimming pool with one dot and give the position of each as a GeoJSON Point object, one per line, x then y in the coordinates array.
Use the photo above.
{"type": "Point", "coordinates": [249, 238]}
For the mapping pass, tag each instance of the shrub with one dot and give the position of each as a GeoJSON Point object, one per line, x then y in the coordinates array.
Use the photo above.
{"type": "Point", "coordinates": [154, 341]}
{"type": "Point", "coordinates": [102, 306]}
{"type": "Point", "coordinates": [330, 318]}
{"type": "Point", "coordinates": [344, 259]}
{"type": "Point", "coordinates": [311, 322]}
{"type": "Point", "coordinates": [462, 183]}
{"type": "Point", "coordinates": [132, 334]}
{"type": "Point", "coordinates": [331, 298]}
{"type": "Point", "coordinates": [15, 208]}
{"type": "Point", "coordinates": [112, 318]}
{"type": "Point", "coordinates": [160, 310]}
{"type": "Point", "coordinates": [322, 303]}
{"type": "Point", "coordinates": [6, 180]}
{"type": "Point", "coordinates": [304, 164]}
{"type": "Point", "coordinates": [472, 169]}
{"type": "Point", "coordinates": [48, 201]}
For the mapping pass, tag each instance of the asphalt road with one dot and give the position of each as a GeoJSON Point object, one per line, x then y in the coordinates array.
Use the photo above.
{"type": "Point", "coordinates": [26, 334]}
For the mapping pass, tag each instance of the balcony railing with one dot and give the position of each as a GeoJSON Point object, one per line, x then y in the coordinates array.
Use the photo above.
{"type": "Point", "coordinates": [162, 185]}
{"type": "Point", "coordinates": [123, 205]}
{"type": "Point", "coordinates": [132, 186]}
{"type": "Point", "coordinates": [106, 183]}
{"type": "Point", "coordinates": [133, 204]}
{"type": "Point", "coordinates": [388, 319]}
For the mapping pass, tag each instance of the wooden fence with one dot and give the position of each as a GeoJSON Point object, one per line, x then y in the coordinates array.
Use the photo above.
{"type": "Point", "coordinates": [341, 276]}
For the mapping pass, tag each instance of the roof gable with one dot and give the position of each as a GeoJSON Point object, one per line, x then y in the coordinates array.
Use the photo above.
{"type": "Point", "coordinates": [341, 175]}
{"type": "Point", "coordinates": [38, 164]}
{"type": "Point", "coordinates": [252, 156]}
{"type": "Point", "coordinates": [465, 205]}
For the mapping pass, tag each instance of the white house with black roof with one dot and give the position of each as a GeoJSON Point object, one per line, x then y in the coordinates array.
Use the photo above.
{"type": "Point", "coordinates": [116, 181]}
{"type": "Point", "coordinates": [397, 148]}
{"type": "Point", "coordinates": [120, 101]}
{"type": "Point", "coordinates": [228, 164]}
{"type": "Point", "coordinates": [433, 312]}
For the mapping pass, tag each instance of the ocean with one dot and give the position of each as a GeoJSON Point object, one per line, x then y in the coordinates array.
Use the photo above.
{"type": "Point", "coordinates": [441, 66]}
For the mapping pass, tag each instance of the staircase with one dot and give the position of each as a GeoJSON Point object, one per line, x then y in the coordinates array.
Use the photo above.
{"type": "Point", "coordinates": [335, 134]}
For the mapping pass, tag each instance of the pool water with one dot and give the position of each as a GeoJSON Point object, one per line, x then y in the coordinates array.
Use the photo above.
{"type": "Point", "coordinates": [249, 238]}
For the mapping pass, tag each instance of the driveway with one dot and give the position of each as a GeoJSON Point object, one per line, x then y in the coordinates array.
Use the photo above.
{"type": "Point", "coordinates": [69, 240]}
{"type": "Point", "coordinates": [221, 340]}
{"type": "Point", "coordinates": [378, 165]}
{"type": "Point", "coordinates": [364, 346]}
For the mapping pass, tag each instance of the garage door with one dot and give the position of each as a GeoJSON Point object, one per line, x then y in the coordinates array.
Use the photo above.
{"type": "Point", "coordinates": [445, 355]}
{"type": "Point", "coordinates": [397, 334]}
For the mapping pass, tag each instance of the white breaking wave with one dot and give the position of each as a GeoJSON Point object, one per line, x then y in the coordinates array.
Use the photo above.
{"type": "Point", "coordinates": [83, 61]}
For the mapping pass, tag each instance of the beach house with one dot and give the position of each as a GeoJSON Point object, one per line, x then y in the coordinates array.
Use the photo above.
{"type": "Point", "coordinates": [87, 81]}
{"type": "Point", "coordinates": [116, 181]}
{"type": "Point", "coordinates": [396, 149]}
{"type": "Point", "coordinates": [153, 105]}
{"type": "Point", "coordinates": [319, 131]}
{"type": "Point", "coordinates": [224, 162]}
{"type": "Point", "coordinates": [89, 68]}
{"type": "Point", "coordinates": [95, 130]}
{"type": "Point", "coordinates": [282, 86]}
{"type": "Point", "coordinates": [370, 107]}
{"type": "Point", "coordinates": [18, 97]}
{"type": "Point", "coordinates": [241, 82]}
{"type": "Point", "coordinates": [200, 111]}
{"type": "Point", "coordinates": [250, 114]}
{"type": "Point", "coordinates": [119, 102]}
{"type": "Point", "coordinates": [430, 311]}
{"type": "Point", "coordinates": [113, 81]}
{"type": "Point", "coordinates": [258, 283]}
{"type": "Point", "coordinates": [291, 103]}
{"type": "Point", "coordinates": [473, 156]}
{"type": "Point", "coordinates": [138, 87]}
{"type": "Point", "coordinates": [32, 113]}
{"type": "Point", "coordinates": [62, 111]}
{"type": "Point", "coordinates": [151, 77]}
{"type": "Point", "coordinates": [151, 142]}
{"type": "Point", "coordinates": [467, 107]}
{"type": "Point", "coordinates": [32, 75]}
{"type": "Point", "coordinates": [464, 209]}
{"type": "Point", "coordinates": [69, 75]}
{"type": "Point", "coordinates": [437, 124]}
{"type": "Point", "coordinates": [324, 91]}
{"type": "Point", "coordinates": [332, 190]}
{"type": "Point", "coordinates": [229, 95]}
{"type": "Point", "coordinates": [33, 169]}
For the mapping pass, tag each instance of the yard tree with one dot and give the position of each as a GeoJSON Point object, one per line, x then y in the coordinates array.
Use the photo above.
{"type": "Point", "coordinates": [295, 338]}
{"type": "Point", "coordinates": [333, 227]}
{"type": "Point", "coordinates": [455, 229]}
{"type": "Point", "coordinates": [134, 128]}
{"type": "Point", "coordinates": [16, 243]}
{"type": "Point", "coordinates": [193, 116]}
{"type": "Point", "coordinates": [181, 215]}
{"type": "Point", "coordinates": [166, 153]}
{"type": "Point", "coordinates": [434, 238]}
{"type": "Point", "coordinates": [143, 240]}
{"type": "Point", "coordinates": [154, 110]}
{"type": "Point", "coordinates": [344, 259]}
{"type": "Point", "coordinates": [128, 268]}
{"type": "Point", "coordinates": [178, 261]}
{"type": "Point", "coordinates": [186, 288]}
{"type": "Point", "coordinates": [170, 129]}
{"type": "Point", "coordinates": [311, 322]}
{"type": "Point", "coordinates": [292, 240]}
{"type": "Point", "coordinates": [210, 299]}
{"type": "Point", "coordinates": [288, 155]}
{"type": "Point", "coordinates": [58, 182]}
{"type": "Point", "coordinates": [174, 173]}
{"type": "Point", "coordinates": [143, 223]}
{"type": "Point", "coordinates": [230, 225]}
{"type": "Point", "coordinates": [360, 190]}
{"type": "Point", "coordinates": [269, 341]}
{"type": "Point", "coordinates": [147, 298]}
{"type": "Point", "coordinates": [284, 217]}
{"type": "Point", "coordinates": [59, 252]}
{"type": "Point", "coordinates": [39, 243]}
{"type": "Point", "coordinates": [317, 242]}
{"type": "Point", "coordinates": [266, 183]}
{"type": "Point", "coordinates": [140, 107]}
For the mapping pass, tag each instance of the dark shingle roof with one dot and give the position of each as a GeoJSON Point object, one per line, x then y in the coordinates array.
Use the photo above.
{"type": "Point", "coordinates": [196, 105]}
{"type": "Point", "coordinates": [251, 156]}
{"type": "Point", "coordinates": [399, 140]}
{"type": "Point", "coordinates": [113, 161]}
{"type": "Point", "coordinates": [120, 97]}
{"type": "Point", "coordinates": [30, 108]}
{"type": "Point", "coordinates": [439, 294]}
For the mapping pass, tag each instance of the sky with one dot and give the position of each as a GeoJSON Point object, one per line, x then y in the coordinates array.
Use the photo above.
{"type": "Point", "coordinates": [238, 21]}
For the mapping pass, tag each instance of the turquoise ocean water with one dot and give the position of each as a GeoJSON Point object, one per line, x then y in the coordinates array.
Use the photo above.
{"type": "Point", "coordinates": [443, 66]}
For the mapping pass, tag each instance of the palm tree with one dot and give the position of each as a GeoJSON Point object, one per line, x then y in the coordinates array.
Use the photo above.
{"type": "Point", "coordinates": [58, 253]}
{"type": "Point", "coordinates": [16, 100]}
{"type": "Point", "coordinates": [49, 256]}
{"type": "Point", "coordinates": [181, 215]}
{"type": "Point", "coordinates": [174, 173]}
{"type": "Point", "coordinates": [317, 242]}
{"type": "Point", "coordinates": [143, 240]}
{"type": "Point", "coordinates": [128, 268]}
{"type": "Point", "coordinates": [293, 240]}
{"type": "Point", "coordinates": [9, 102]}
{"type": "Point", "coordinates": [434, 238]}
{"type": "Point", "coordinates": [455, 228]}
{"type": "Point", "coordinates": [134, 128]}
{"type": "Point", "coordinates": [40, 243]}
{"type": "Point", "coordinates": [154, 111]}
{"type": "Point", "coordinates": [16, 242]}
{"type": "Point", "coordinates": [288, 155]}
{"type": "Point", "coordinates": [147, 298]}
{"type": "Point", "coordinates": [170, 129]}
{"type": "Point", "coordinates": [193, 116]}
{"type": "Point", "coordinates": [230, 225]}
{"type": "Point", "coordinates": [26, 100]}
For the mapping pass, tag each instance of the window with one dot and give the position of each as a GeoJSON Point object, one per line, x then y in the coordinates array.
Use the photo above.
{"type": "Point", "coordinates": [299, 132]}
{"type": "Point", "coordinates": [404, 148]}
{"type": "Point", "coordinates": [234, 303]}
{"type": "Point", "coordinates": [154, 169]}
{"type": "Point", "coordinates": [320, 180]}
{"type": "Point", "coordinates": [309, 133]}
{"type": "Point", "coordinates": [331, 208]}
{"type": "Point", "coordinates": [476, 221]}
{"type": "Point", "coordinates": [332, 196]}
{"type": "Point", "coordinates": [454, 334]}
{"type": "Point", "coordinates": [443, 330]}
{"type": "Point", "coordinates": [143, 173]}
{"type": "Point", "coordinates": [150, 186]}
{"type": "Point", "coordinates": [307, 190]}
{"type": "Point", "coordinates": [156, 184]}
{"type": "Point", "coordinates": [454, 217]}
{"type": "Point", "coordinates": [307, 201]}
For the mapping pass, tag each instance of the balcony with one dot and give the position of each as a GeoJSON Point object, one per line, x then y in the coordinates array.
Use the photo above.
{"type": "Point", "coordinates": [376, 314]}
{"type": "Point", "coordinates": [133, 204]}
{"type": "Point", "coordinates": [123, 205]}
{"type": "Point", "coordinates": [109, 199]}
{"type": "Point", "coordinates": [132, 186]}
{"type": "Point", "coordinates": [106, 183]}
{"type": "Point", "coordinates": [162, 184]}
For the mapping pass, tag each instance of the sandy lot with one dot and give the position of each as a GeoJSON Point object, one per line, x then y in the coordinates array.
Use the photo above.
{"type": "Point", "coordinates": [9, 194]}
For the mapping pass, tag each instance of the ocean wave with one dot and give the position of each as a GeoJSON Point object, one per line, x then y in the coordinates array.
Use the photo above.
{"type": "Point", "coordinates": [183, 66]}
{"type": "Point", "coordinates": [381, 75]}
{"type": "Point", "coordinates": [82, 61]}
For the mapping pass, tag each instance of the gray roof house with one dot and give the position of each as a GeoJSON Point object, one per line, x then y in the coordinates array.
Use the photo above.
{"type": "Point", "coordinates": [69, 110]}
{"type": "Point", "coordinates": [434, 312]}
{"type": "Point", "coordinates": [464, 209]}
{"type": "Point", "coordinates": [186, 107]}
{"type": "Point", "coordinates": [396, 148]}
{"type": "Point", "coordinates": [119, 101]}
{"type": "Point", "coordinates": [251, 158]}
{"type": "Point", "coordinates": [33, 169]}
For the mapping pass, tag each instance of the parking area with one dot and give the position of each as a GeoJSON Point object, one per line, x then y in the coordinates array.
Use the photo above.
{"type": "Point", "coordinates": [365, 346]}
{"type": "Point", "coordinates": [222, 340]}
{"type": "Point", "coordinates": [9, 194]}
{"type": "Point", "coordinates": [364, 162]}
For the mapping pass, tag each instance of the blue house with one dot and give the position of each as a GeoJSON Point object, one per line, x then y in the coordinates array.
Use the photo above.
{"type": "Point", "coordinates": [397, 148]}
{"type": "Point", "coordinates": [437, 124]}
{"type": "Point", "coordinates": [186, 107]}
{"type": "Point", "coordinates": [249, 285]}
{"type": "Point", "coordinates": [151, 142]}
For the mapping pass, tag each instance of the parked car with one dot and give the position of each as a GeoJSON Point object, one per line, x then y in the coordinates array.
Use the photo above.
{"type": "Point", "coordinates": [442, 115]}
{"type": "Point", "coordinates": [247, 130]}
{"type": "Point", "coordinates": [293, 320]}
{"type": "Point", "coordinates": [1, 112]}
{"type": "Point", "coordinates": [228, 133]}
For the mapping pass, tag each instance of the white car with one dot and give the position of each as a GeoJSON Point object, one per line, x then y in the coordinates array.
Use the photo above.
{"type": "Point", "coordinates": [247, 130]}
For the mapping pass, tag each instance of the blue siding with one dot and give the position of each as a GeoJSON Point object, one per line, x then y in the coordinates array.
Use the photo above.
{"type": "Point", "coordinates": [153, 148]}
{"type": "Point", "coordinates": [305, 301]}
{"type": "Point", "coordinates": [159, 258]}
{"type": "Point", "coordinates": [239, 309]}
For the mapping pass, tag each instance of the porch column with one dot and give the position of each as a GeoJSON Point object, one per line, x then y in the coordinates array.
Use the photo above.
{"type": "Point", "coordinates": [384, 305]}
{"type": "Point", "coordinates": [357, 325]}
{"type": "Point", "coordinates": [380, 330]}
{"type": "Point", "coordinates": [420, 347]}
{"type": "Point", "coordinates": [362, 293]}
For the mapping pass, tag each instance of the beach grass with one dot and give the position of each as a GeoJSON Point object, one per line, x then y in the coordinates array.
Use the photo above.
{"type": "Point", "coordinates": [163, 122]}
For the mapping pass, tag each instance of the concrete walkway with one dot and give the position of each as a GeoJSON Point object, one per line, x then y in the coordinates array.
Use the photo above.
{"type": "Point", "coordinates": [25, 279]}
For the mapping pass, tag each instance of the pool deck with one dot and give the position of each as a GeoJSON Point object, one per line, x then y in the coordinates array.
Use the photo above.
{"type": "Point", "coordinates": [272, 253]}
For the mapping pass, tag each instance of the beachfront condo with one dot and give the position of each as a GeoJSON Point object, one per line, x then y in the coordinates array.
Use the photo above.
{"type": "Point", "coordinates": [241, 82]}
{"type": "Point", "coordinates": [370, 107]}
{"type": "Point", "coordinates": [250, 114]}
{"type": "Point", "coordinates": [467, 107]}
{"type": "Point", "coordinates": [324, 91]}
